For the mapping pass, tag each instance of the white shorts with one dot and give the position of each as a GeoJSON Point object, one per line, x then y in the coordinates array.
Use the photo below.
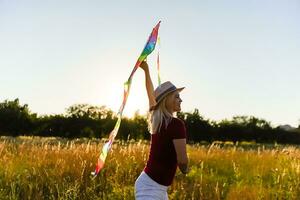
{"type": "Point", "coordinates": [148, 189]}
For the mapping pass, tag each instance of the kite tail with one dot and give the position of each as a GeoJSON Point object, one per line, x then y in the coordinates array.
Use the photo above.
{"type": "Point", "coordinates": [107, 146]}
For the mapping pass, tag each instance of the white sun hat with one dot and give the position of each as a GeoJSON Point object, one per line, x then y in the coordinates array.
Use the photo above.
{"type": "Point", "coordinates": [162, 91]}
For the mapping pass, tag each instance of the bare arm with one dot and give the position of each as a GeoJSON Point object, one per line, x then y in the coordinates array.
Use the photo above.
{"type": "Point", "coordinates": [182, 159]}
{"type": "Point", "coordinates": [149, 85]}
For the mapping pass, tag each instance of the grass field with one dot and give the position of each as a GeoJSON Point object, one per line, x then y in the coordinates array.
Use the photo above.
{"type": "Point", "coordinates": [55, 168]}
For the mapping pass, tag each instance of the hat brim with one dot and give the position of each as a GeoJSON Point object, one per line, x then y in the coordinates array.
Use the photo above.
{"type": "Point", "coordinates": [166, 94]}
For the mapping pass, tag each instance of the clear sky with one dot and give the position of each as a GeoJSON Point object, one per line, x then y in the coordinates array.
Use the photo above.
{"type": "Point", "coordinates": [235, 57]}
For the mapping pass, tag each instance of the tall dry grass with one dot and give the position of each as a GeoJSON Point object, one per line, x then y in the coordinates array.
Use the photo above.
{"type": "Point", "coordinates": [55, 168]}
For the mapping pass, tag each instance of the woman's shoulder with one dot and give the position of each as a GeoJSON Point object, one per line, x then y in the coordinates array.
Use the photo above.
{"type": "Point", "coordinates": [177, 121]}
{"type": "Point", "coordinates": [177, 128]}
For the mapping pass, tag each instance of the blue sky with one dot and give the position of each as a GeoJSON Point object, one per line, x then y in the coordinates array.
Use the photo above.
{"type": "Point", "coordinates": [234, 57]}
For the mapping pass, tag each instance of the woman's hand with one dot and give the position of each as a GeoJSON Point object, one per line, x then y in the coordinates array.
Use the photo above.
{"type": "Point", "coordinates": [144, 66]}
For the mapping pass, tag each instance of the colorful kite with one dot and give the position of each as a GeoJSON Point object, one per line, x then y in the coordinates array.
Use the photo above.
{"type": "Point", "coordinates": [149, 47]}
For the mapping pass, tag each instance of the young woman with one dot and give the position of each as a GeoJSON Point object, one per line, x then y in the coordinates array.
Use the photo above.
{"type": "Point", "coordinates": [168, 141]}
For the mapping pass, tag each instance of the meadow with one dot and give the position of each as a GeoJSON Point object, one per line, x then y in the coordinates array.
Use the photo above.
{"type": "Point", "coordinates": [57, 168]}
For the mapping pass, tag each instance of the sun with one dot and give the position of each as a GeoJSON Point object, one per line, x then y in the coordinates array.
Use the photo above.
{"type": "Point", "coordinates": [137, 100]}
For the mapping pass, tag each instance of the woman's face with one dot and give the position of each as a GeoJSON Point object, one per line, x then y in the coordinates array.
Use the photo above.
{"type": "Point", "coordinates": [173, 102]}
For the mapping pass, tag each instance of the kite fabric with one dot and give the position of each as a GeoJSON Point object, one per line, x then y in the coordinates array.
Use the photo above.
{"type": "Point", "coordinates": [149, 47]}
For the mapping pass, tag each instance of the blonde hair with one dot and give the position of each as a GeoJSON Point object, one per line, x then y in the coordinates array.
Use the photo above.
{"type": "Point", "coordinates": [158, 116]}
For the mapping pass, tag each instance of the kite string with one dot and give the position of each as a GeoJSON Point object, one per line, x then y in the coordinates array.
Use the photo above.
{"type": "Point", "coordinates": [158, 63]}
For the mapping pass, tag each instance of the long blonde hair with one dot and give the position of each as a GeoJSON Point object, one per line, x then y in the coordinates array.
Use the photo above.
{"type": "Point", "coordinates": [158, 116]}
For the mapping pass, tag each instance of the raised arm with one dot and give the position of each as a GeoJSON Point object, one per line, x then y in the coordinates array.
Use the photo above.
{"type": "Point", "coordinates": [149, 85]}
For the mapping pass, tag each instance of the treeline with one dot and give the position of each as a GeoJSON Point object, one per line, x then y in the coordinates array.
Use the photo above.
{"type": "Point", "coordinates": [83, 120]}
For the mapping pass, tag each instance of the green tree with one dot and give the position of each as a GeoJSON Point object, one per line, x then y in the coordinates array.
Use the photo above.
{"type": "Point", "coordinates": [88, 111]}
{"type": "Point", "coordinates": [15, 119]}
{"type": "Point", "coordinates": [84, 120]}
{"type": "Point", "coordinates": [197, 127]}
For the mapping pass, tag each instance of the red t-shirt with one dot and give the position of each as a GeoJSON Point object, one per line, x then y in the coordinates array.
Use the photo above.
{"type": "Point", "coordinates": [162, 162]}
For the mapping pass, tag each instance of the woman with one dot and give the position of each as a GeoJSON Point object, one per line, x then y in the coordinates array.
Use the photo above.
{"type": "Point", "coordinates": [168, 141]}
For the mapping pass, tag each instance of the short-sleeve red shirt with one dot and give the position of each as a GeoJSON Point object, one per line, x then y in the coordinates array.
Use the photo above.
{"type": "Point", "coordinates": [162, 162]}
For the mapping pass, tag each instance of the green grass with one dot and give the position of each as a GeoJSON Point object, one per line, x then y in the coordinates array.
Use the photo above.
{"type": "Point", "coordinates": [55, 168]}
